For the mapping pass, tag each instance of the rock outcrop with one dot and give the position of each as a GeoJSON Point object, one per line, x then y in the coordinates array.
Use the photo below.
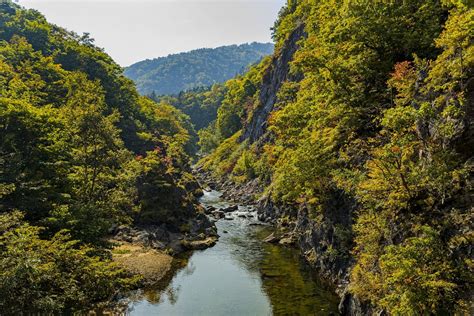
{"type": "Point", "coordinates": [275, 75]}
{"type": "Point", "coordinates": [198, 233]}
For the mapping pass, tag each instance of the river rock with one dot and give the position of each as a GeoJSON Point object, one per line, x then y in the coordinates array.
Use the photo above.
{"type": "Point", "coordinates": [199, 244]}
{"type": "Point", "coordinates": [229, 218]}
{"type": "Point", "coordinates": [211, 231]}
{"type": "Point", "coordinates": [210, 209]}
{"type": "Point", "coordinates": [272, 239]}
{"type": "Point", "coordinates": [257, 224]}
{"type": "Point", "coordinates": [141, 238]}
{"type": "Point", "coordinates": [155, 244]}
{"type": "Point", "coordinates": [218, 214]}
{"type": "Point", "coordinates": [287, 241]}
{"type": "Point", "coordinates": [175, 246]}
{"type": "Point", "coordinates": [229, 209]}
{"type": "Point", "coordinates": [212, 185]}
{"type": "Point", "coordinates": [161, 233]}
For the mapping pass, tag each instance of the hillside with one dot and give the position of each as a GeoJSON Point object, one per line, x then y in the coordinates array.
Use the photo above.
{"type": "Point", "coordinates": [356, 139]}
{"type": "Point", "coordinates": [197, 68]}
{"type": "Point", "coordinates": [81, 154]}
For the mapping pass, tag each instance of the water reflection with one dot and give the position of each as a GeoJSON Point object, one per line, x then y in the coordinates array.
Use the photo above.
{"type": "Point", "coordinates": [292, 287]}
{"type": "Point", "coordinates": [241, 275]}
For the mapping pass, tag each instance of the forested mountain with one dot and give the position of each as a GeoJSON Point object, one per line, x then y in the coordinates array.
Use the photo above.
{"type": "Point", "coordinates": [198, 68]}
{"type": "Point", "coordinates": [359, 129]}
{"type": "Point", "coordinates": [81, 152]}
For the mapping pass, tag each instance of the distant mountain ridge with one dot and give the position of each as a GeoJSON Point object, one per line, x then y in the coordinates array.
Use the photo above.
{"type": "Point", "coordinates": [200, 67]}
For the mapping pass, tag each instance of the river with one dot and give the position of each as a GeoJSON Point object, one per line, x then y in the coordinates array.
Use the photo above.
{"type": "Point", "coordinates": [240, 275]}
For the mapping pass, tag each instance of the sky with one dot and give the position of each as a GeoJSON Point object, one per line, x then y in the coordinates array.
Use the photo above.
{"type": "Point", "coordinates": [133, 30]}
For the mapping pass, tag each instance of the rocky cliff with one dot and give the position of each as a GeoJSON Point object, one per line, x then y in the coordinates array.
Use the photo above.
{"type": "Point", "coordinates": [274, 77]}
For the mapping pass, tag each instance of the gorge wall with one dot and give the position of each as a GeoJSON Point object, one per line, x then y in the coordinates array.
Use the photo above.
{"type": "Point", "coordinates": [356, 145]}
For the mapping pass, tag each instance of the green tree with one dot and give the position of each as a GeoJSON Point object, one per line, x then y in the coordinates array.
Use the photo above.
{"type": "Point", "coordinates": [52, 276]}
{"type": "Point", "coordinates": [97, 160]}
{"type": "Point", "coordinates": [418, 276]}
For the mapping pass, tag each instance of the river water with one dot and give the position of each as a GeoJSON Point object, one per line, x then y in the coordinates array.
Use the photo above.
{"type": "Point", "coordinates": [240, 275]}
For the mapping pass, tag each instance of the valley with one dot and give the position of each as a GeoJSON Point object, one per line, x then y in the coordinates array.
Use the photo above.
{"type": "Point", "coordinates": [329, 172]}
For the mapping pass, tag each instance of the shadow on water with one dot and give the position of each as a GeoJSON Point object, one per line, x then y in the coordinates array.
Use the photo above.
{"type": "Point", "coordinates": [293, 287]}
{"type": "Point", "coordinates": [240, 275]}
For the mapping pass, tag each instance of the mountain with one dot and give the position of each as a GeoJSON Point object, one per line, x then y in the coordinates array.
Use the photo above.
{"type": "Point", "coordinates": [197, 68]}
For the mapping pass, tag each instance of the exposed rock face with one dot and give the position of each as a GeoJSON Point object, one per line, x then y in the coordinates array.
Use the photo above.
{"type": "Point", "coordinates": [351, 306]}
{"type": "Point", "coordinates": [274, 77]}
{"type": "Point", "coordinates": [324, 242]}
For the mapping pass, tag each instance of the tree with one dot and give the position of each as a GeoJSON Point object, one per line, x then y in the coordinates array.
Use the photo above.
{"type": "Point", "coordinates": [55, 275]}
{"type": "Point", "coordinates": [96, 165]}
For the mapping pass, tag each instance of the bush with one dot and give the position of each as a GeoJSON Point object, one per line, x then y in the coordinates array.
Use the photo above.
{"type": "Point", "coordinates": [52, 276]}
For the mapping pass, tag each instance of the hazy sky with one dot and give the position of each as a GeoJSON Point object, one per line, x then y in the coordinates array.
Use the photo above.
{"type": "Point", "coordinates": [133, 30]}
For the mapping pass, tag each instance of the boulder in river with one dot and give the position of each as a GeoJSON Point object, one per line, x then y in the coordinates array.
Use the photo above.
{"type": "Point", "coordinates": [229, 209]}
{"type": "Point", "coordinates": [218, 214]}
{"type": "Point", "coordinates": [272, 238]}
{"type": "Point", "coordinates": [210, 209]}
{"type": "Point", "coordinates": [199, 244]}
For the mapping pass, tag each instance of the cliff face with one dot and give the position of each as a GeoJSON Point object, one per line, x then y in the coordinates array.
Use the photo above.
{"type": "Point", "coordinates": [273, 78]}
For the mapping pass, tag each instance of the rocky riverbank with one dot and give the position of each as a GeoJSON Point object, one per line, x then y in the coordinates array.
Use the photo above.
{"type": "Point", "coordinates": [148, 250]}
{"type": "Point", "coordinates": [197, 233]}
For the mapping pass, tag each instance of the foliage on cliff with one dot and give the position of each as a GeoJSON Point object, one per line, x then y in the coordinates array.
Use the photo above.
{"type": "Point", "coordinates": [382, 116]}
{"type": "Point", "coordinates": [240, 98]}
{"type": "Point", "coordinates": [80, 152]}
